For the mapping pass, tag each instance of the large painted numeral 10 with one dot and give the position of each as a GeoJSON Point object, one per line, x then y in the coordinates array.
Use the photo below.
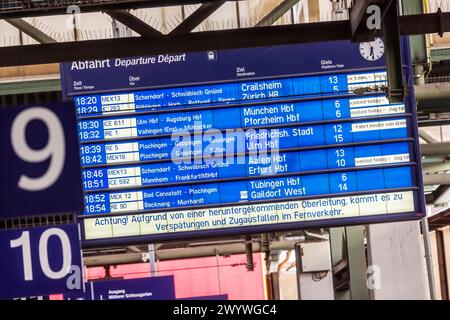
{"type": "Point", "coordinates": [24, 242]}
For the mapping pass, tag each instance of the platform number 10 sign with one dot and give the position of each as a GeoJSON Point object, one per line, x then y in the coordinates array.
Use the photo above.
{"type": "Point", "coordinates": [23, 242]}
{"type": "Point", "coordinates": [40, 261]}
{"type": "Point", "coordinates": [40, 160]}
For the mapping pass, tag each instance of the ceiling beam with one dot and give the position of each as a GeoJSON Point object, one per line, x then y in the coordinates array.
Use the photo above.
{"type": "Point", "coordinates": [133, 22]}
{"type": "Point", "coordinates": [92, 6]}
{"type": "Point", "coordinates": [276, 13]}
{"type": "Point", "coordinates": [426, 137]}
{"type": "Point", "coordinates": [172, 43]}
{"type": "Point", "coordinates": [197, 17]}
{"type": "Point", "coordinates": [31, 30]}
{"type": "Point", "coordinates": [200, 41]}
{"type": "Point", "coordinates": [439, 192]}
{"type": "Point", "coordinates": [434, 179]}
{"type": "Point", "coordinates": [437, 167]}
{"type": "Point", "coordinates": [435, 149]}
{"type": "Point", "coordinates": [432, 91]}
{"type": "Point", "coordinates": [434, 122]}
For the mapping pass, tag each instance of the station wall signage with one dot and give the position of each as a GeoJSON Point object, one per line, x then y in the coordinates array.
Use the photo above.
{"type": "Point", "coordinates": [150, 288]}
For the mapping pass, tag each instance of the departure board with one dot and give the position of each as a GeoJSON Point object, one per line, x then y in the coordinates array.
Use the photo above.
{"type": "Point", "coordinates": [239, 141]}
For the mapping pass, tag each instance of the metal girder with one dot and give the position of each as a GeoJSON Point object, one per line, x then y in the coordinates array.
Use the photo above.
{"type": "Point", "coordinates": [425, 136]}
{"type": "Point", "coordinates": [433, 122]}
{"type": "Point", "coordinates": [29, 86]}
{"type": "Point", "coordinates": [432, 91]}
{"type": "Point", "coordinates": [436, 194]}
{"type": "Point", "coordinates": [197, 17]}
{"type": "Point", "coordinates": [434, 179]}
{"type": "Point", "coordinates": [435, 149]}
{"type": "Point", "coordinates": [276, 13]}
{"type": "Point", "coordinates": [439, 220]}
{"type": "Point", "coordinates": [92, 6]}
{"type": "Point", "coordinates": [437, 167]}
{"type": "Point", "coordinates": [200, 41]}
{"type": "Point", "coordinates": [31, 30]}
{"type": "Point", "coordinates": [420, 24]}
{"type": "Point", "coordinates": [133, 22]}
{"type": "Point", "coordinates": [172, 43]}
{"type": "Point", "coordinates": [418, 43]}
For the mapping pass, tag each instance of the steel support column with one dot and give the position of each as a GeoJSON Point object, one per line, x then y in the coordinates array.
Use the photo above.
{"type": "Point", "coordinates": [338, 251]}
{"type": "Point", "coordinates": [356, 256]}
{"type": "Point", "coordinates": [418, 43]}
{"type": "Point", "coordinates": [249, 253]}
{"type": "Point", "coordinates": [391, 33]}
{"type": "Point", "coordinates": [298, 268]}
{"type": "Point", "coordinates": [428, 257]}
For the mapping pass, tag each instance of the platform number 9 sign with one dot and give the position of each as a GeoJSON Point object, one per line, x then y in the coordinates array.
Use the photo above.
{"type": "Point", "coordinates": [40, 161]}
{"type": "Point", "coordinates": [54, 150]}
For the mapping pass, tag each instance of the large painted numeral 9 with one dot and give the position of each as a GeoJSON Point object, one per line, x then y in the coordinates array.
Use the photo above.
{"type": "Point", "coordinates": [55, 148]}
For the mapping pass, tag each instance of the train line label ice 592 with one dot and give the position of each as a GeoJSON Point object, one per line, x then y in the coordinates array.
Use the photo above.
{"type": "Point", "coordinates": [254, 140]}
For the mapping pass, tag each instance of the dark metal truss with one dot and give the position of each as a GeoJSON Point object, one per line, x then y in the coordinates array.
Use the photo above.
{"type": "Point", "coordinates": [199, 41]}
{"type": "Point", "coordinates": [32, 8]}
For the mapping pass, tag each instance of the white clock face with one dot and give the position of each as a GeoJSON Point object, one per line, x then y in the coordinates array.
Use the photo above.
{"type": "Point", "coordinates": [373, 50]}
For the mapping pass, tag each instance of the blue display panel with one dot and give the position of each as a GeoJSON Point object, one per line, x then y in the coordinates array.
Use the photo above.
{"type": "Point", "coordinates": [250, 190]}
{"type": "Point", "coordinates": [245, 166]}
{"type": "Point", "coordinates": [250, 142]}
{"type": "Point", "coordinates": [280, 115]}
{"type": "Point", "coordinates": [333, 134]}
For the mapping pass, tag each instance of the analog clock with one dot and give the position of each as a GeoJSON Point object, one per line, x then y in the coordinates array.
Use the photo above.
{"type": "Point", "coordinates": [373, 50]}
